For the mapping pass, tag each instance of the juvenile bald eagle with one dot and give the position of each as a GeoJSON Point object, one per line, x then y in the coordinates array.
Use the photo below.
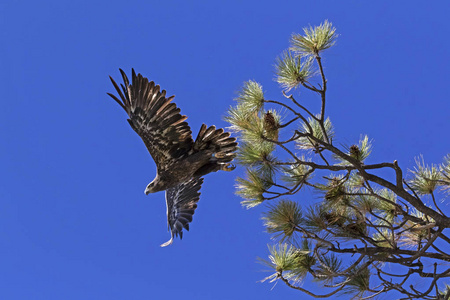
{"type": "Point", "coordinates": [180, 161]}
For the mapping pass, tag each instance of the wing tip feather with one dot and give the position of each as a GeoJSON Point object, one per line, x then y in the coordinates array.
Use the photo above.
{"type": "Point", "coordinates": [169, 242]}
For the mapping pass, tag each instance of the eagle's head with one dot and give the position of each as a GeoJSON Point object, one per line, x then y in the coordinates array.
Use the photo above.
{"type": "Point", "coordinates": [149, 188]}
{"type": "Point", "coordinates": [154, 186]}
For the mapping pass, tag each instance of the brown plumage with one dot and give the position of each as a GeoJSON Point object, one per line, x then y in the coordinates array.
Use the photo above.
{"type": "Point", "coordinates": [180, 161]}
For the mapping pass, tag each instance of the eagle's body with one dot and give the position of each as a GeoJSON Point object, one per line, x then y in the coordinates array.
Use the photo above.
{"type": "Point", "coordinates": [181, 162]}
{"type": "Point", "coordinates": [194, 165]}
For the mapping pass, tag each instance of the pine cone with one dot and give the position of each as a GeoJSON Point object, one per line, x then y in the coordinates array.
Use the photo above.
{"type": "Point", "coordinates": [355, 152]}
{"type": "Point", "coordinates": [270, 126]}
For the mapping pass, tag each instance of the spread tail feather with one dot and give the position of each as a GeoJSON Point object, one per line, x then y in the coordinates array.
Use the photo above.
{"type": "Point", "coordinates": [169, 242]}
{"type": "Point", "coordinates": [217, 141]}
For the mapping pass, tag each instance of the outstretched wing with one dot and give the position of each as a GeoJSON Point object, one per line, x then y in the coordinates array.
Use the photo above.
{"type": "Point", "coordinates": [157, 121]}
{"type": "Point", "coordinates": [181, 203]}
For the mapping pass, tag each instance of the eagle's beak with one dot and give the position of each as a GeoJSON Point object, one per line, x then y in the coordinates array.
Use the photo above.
{"type": "Point", "coordinates": [146, 191]}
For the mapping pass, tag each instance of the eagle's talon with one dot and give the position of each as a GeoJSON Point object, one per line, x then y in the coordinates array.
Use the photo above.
{"type": "Point", "coordinates": [228, 167]}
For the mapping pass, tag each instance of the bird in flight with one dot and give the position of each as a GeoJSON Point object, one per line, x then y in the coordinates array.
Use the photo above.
{"type": "Point", "coordinates": [181, 162]}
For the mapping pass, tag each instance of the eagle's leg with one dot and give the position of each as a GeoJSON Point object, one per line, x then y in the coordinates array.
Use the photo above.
{"type": "Point", "coordinates": [227, 167]}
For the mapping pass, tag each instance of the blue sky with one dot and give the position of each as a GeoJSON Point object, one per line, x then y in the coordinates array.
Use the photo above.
{"type": "Point", "coordinates": [74, 221]}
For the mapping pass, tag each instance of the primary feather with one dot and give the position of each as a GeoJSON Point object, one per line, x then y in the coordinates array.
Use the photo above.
{"type": "Point", "coordinates": [181, 202]}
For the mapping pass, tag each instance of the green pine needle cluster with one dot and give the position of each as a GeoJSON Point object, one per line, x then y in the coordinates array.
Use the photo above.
{"type": "Point", "coordinates": [415, 233]}
{"type": "Point", "coordinates": [295, 66]}
{"type": "Point", "coordinates": [359, 281]}
{"type": "Point", "coordinates": [282, 257]}
{"type": "Point", "coordinates": [426, 178]}
{"type": "Point", "coordinates": [292, 70]}
{"type": "Point", "coordinates": [283, 219]}
{"type": "Point", "coordinates": [384, 238]}
{"type": "Point", "coordinates": [383, 202]}
{"type": "Point", "coordinates": [246, 115]}
{"type": "Point", "coordinates": [342, 210]}
{"type": "Point", "coordinates": [254, 124]}
{"type": "Point", "coordinates": [318, 219]}
{"type": "Point", "coordinates": [238, 118]}
{"type": "Point", "coordinates": [359, 152]}
{"type": "Point", "coordinates": [445, 292]}
{"type": "Point", "coordinates": [296, 173]}
{"type": "Point", "coordinates": [291, 262]}
{"type": "Point", "coordinates": [251, 96]}
{"type": "Point", "coordinates": [366, 203]}
{"type": "Point", "coordinates": [256, 154]}
{"type": "Point", "coordinates": [314, 39]}
{"type": "Point", "coordinates": [445, 169]}
{"type": "Point", "coordinates": [387, 208]}
{"type": "Point", "coordinates": [328, 269]}
{"type": "Point", "coordinates": [354, 228]}
{"type": "Point", "coordinates": [336, 192]}
{"type": "Point", "coordinates": [306, 143]}
{"type": "Point", "coordinates": [249, 125]}
{"type": "Point", "coordinates": [258, 159]}
{"type": "Point", "coordinates": [356, 181]}
{"type": "Point", "coordinates": [322, 218]}
{"type": "Point", "coordinates": [252, 188]}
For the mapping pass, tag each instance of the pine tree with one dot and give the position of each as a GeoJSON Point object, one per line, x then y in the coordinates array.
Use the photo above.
{"type": "Point", "coordinates": [366, 235]}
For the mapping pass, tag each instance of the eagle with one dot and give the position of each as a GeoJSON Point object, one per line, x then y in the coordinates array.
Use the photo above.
{"type": "Point", "coordinates": [181, 162]}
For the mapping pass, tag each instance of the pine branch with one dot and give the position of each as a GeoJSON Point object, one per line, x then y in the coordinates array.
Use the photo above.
{"type": "Point", "coordinates": [362, 212]}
